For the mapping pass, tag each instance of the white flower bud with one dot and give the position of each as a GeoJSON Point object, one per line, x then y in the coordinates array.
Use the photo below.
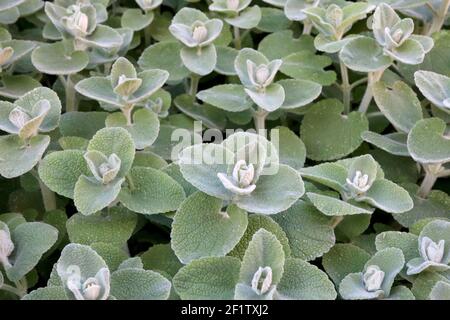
{"type": "Point", "coordinates": [77, 22]}
{"type": "Point", "coordinates": [91, 289]}
{"type": "Point", "coordinates": [19, 117]}
{"type": "Point", "coordinates": [6, 247]}
{"type": "Point", "coordinates": [5, 55]}
{"type": "Point", "coordinates": [360, 182]}
{"type": "Point", "coordinates": [432, 251]}
{"type": "Point", "coordinates": [262, 74]}
{"type": "Point", "coordinates": [104, 169]}
{"type": "Point", "coordinates": [232, 4]}
{"type": "Point", "coordinates": [262, 280]}
{"type": "Point", "coordinates": [373, 278]}
{"type": "Point", "coordinates": [199, 33]}
{"type": "Point", "coordinates": [243, 174]}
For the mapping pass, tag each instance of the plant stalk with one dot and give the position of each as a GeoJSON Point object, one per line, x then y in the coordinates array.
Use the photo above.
{"type": "Point", "coordinates": [193, 89]}
{"type": "Point", "coordinates": [13, 290]}
{"type": "Point", "coordinates": [307, 27]}
{"type": "Point", "coordinates": [439, 18]}
{"type": "Point", "coordinates": [346, 88]}
{"type": "Point", "coordinates": [373, 77]}
{"type": "Point", "coordinates": [127, 112]}
{"type": "Point", "coordinates": [335, 221]}
{"type": "Point", "coordinates": [71, 95]}
{"type": "Point", "coordinates": [48, 196]}
{"type": "Point", "coordinates": [431, 175]}
{"type": "Point", "coordinates": [259, 118]}
{"type": "Point", "coordinates": [237, 38]}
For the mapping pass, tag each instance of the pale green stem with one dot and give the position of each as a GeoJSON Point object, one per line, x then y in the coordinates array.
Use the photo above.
{"type": "Point", "coordinates": [48, 196]}
{"type": "Point", "coordinates": [439, 18]}
{"type": "Point", "coordinates": [373, 77]}
{"type": "Point", "coordinates": [71, 97]}
{"type": "Point", "coordinates": [334, 222]}
{"type": "Point", "coordinates": [127, 112]}
{"type": "Point", "coordinates": [346, 88]}
{"type": "Point", "coordinates": [307, 27]}
{"type": "Point", "coordinates": [195, 79]}
{"type": "Point", "coordinates": [13, 290]}
{"type": "Point", "coordinates": [431, 175]}
{"type": "Point", "coordinates": [259, 118]}
{"type": "Point", "coordinates": [147, 36]}
{"type": "Point", "coordinates": [357, 83]}
{"type": "Point", "coordinates": [237, 38]}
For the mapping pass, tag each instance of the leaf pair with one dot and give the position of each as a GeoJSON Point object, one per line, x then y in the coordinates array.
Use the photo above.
{"type": "Point", "coordinates": [37, 111]}
{"type": "Point", "coordinates": [84, 275]}
{"type": "Point", "coordinates": [244, 169]}
{"type": "Point", "coordinates": [361, 185]}
{"type": "Point", "coordinates": [264, 273]}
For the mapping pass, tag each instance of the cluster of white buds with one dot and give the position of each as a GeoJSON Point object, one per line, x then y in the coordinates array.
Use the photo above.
{"type": "Point", "coordinates": [242, 179]}
{"type": "Point", "coordinates": [359, 184]}
{"type": "Point", "coordinates": [373, 278]}
{"type": "Point", "coordinates": [6, 248]}
{"type": "Point", "coordinates": [262, 280]}
{"type": "Point", "coordinates": [432, 251]}
{"type": "Point", "coordinates": [104, 169]}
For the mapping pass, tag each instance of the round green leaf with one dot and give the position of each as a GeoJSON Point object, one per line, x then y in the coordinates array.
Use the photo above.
{"type": "Point", "coordinates": [31, 240]}
{"type": "Point", "coordinates": [18, 157]}
{"type": "Point", "coordinates": [399, 104]}
{"type": "Point", "coordinates": [229, 97]}
{"type": "Point", "coordinates": [151, 191]}
{"type": "Point", "coordinates": [136, 284]}
{"type": "Point", "coordinates": [208, 278]}
{"type": "Point", "coordinates": [166, 56]}
{"type": "Point", "coordinates": [427, 142]}
{"type": "Point", "coordinates": [144, 129]}
{"type": "Point", "coordinates": [201, 64]}
{"type": "Point", "coordinates": [91, 196]}
{"type": "Point", "coordinates": [328, 134]}
{"type": "Point", "coordinates": [115, 227]}
{"type": "Point", "coordinates": [60, 171]}
{"type": "Point", "coordinates": [363, 54]}
{"type": "Point", "coordinates": [299, 93]}
{"type": "Point", "coordinates": [200, 222]}
{"type": "Point", "coordinates": [309, 232]}
{"type": "Point", "coordinates": [53, 59]}
{"type": "Point", "coordinates": [136, 20]}
{"type": "Point", "coordinates": [303, 281]}
{"type": "Point", "coordinates": [343, 259]}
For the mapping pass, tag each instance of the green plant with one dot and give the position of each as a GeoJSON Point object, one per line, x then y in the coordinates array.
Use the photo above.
{"type": "Point", "coordinates": [224, 149]}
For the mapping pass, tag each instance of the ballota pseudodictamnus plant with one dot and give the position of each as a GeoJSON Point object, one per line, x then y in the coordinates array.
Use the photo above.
{"type": "Point", "coordinates": [130, 167]}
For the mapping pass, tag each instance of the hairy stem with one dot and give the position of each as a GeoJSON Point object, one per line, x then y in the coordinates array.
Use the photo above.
{"type": "Point", "coordinates": [335, 221]}
{"type": "Point", "coordinates": [439, 18]}
{"type": "Point", "coordinates": [432, 173]}
{"type": "Point", "coordinates": [307, 27]}
{"type": "Point", "coordinates": [147, 36]}
{"type": "Point", "coordinates": [373, 77]}
{"type": "Point", "coordinates": [259, 118]}
{"type": "Point", "coordinates": [195, 79]}
{"type": "Point", "coordinates": [48, 196]}
{"type": "Point", "coordinates": [346, 88]}
{"type": "Point", "coordinates": [71, 94]}
{"type": "Point", "coordinates": [13, 290]}
{"type": "Point", "coordinates": [237, 38]}
{"type": "Point", "coordinates": [127, 112]}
